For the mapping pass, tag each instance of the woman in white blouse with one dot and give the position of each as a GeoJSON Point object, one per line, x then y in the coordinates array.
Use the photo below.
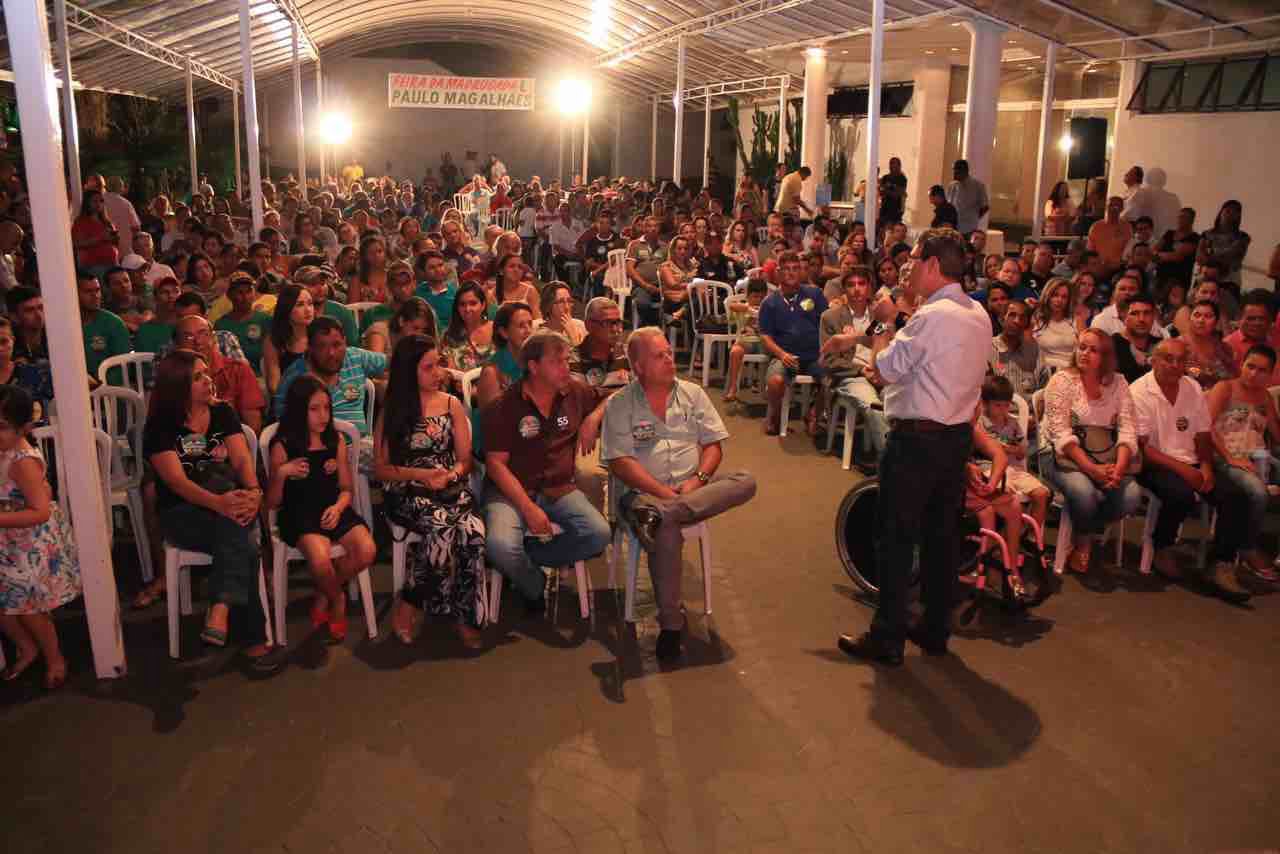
{"type": "Point", "coordinates": [1088, 400]}
{"type": "Point", "coordinates": [1053, 328]}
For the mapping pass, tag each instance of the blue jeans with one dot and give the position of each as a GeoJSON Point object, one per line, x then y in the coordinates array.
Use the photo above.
{"type": "Point", "coordinates": [1091, 508]}
{"type": "Point", "coordinates": [585, 535]}
{"type": "Point", "coordinates": [1254, 491]}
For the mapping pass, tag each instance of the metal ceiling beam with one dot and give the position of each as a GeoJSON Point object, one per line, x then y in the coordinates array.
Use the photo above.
{"type": "Point", "coordinates": [895, 24]}
{"type": "Point", "coordinates": [6, 76]}
{"type": "Point", "coordinates": [1187, 31]}
{"type": "Point", "coordinates": [731, 87]}
{"type": "Point", "coordinates": [1094, 20]}
{"type": "Point", "coordinates": [700, 26]}
{"type": "Point", "coordinates": [88, 22]}
{"type": "Point", "coordinates": [969, 8]}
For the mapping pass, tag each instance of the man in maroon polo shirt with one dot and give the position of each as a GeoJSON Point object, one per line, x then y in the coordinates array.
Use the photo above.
{"type": "Point", "coordinates": [535, 515]}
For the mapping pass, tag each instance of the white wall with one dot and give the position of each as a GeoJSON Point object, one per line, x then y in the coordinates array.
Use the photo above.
{"type": "Point", "coordinates": [1209, 158]}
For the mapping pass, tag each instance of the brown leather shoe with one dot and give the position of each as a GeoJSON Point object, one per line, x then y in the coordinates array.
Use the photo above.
{"type": "Point", "coordinates": [1223, 579]}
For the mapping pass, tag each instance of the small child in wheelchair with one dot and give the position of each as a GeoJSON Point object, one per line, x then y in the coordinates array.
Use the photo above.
{"type": "Point", "coordinates": [999, 424]}
{"type": "Point", "coordinates": [989, 501]}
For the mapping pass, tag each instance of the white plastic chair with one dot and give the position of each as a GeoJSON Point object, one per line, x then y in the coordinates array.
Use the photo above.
{"type": "Point", "coordinates": [282, 552]}
{"type": "Point", "coordinates": [615, 278]}
{"type": "Point", "coordinates": [844, 419]}
{"type": "Point", "coordinates": [467, 380]}
{"type": "Point", "coordinates": [1066, 532]}
{"type": "Point", "coordinates": [705, 297]}
{"type": "Point", "coordinates": [133, 369]}
{"type": "Point", "coordinates": [358, 309]}
{"type": "Point", "coordinates": [504, 218]}
{"type": "Point", "coordinates": [805, 382]}
{"type": "Point", "coordinates": [624, 535]}
{"type": "Point", "coordinates": [119, 413]}
{"type": "Point", "coordinates": [735, 323]}
{"type": "Point", "coordinates": [47, 439]}
{"type": "Point", "coordinates": [177, 573]}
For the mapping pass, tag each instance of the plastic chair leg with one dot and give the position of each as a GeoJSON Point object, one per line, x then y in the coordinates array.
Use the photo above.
{"type": "Point", "coordinates": [171, 573]}
{"type": "Point", "coordinates": [1063, 544]}
{"type": "Point", "coordinates": [850, 428]}
{"type": "Point", "coordinates": [633, 569]}
{"type": "Point", "coordinates": [704, 544]}
{"type": "Point", "coordinates": [280, 585]}
{"type": "Point", "coordinates": [584, 588]}
{"type": "Point", "coordinates": [366, 593]}
{"type": "Point", "coordinates": [140, 536]}
{"type": "Point", "coordinates": [399, 556]}
{"type": "Point", "coordinates": [495, 594]}
{"type": "Point", "coordinates": [266, 604]}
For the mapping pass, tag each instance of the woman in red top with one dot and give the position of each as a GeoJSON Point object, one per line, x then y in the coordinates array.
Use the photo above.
{"type": "Point", "coordinates": [93, 236]}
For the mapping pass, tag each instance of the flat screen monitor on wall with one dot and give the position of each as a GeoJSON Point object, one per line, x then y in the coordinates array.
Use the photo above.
{"type": "Point", "coordinates": [1089, 152]}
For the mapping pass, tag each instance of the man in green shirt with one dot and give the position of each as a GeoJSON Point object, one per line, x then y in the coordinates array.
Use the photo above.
{"type": "Point", "coordinates": [250, 327]}
{"type": "Point", "coordinates": [317, 280]}
{"type": "Point", "coordinates": [435, 287]}
{"type": "Point", "coordinates": [105, 335]}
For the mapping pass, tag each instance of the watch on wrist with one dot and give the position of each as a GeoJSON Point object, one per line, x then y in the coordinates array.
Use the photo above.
{"type": "Point", "coordinates": [702, 477]}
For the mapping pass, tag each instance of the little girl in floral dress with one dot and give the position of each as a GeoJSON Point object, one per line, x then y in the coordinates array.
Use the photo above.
{"type": "Point", "coordinates": [39, 565]}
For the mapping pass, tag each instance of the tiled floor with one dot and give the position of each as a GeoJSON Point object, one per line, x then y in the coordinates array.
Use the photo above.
{"type": "Point", "coordinates": [1130, 718]}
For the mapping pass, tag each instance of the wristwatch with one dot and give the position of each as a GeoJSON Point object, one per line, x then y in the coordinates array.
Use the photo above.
{"type": "Point", "coordinates": [702, 477]}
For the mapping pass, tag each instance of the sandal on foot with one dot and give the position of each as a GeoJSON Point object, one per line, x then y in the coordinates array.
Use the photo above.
{"type": "Point", "coordinates": [18, 668]}
{"type": "Point", "coordinates": [319, 613]}
{"type": "Point", "coordinates": [471, 637]}
{"type": "Point", "coordinates": [214, 636]}
{"type": "Point", "coordinates": [338, 630]}
{"type": "Point", "coordinates": [147, 597]}
{"type": "Point", "coordinates": [1078, 561]}
{"type": "Point", "coordinates": [55, 677]}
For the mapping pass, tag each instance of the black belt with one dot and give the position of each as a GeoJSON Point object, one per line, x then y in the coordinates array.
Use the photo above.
{"type": "Point", "coordinates": [920, 425]}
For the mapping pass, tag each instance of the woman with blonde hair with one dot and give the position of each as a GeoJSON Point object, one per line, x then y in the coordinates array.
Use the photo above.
{"type": "Point", "coordinates": [1089, 441]}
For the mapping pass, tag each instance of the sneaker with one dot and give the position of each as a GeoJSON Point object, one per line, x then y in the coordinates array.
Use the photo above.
{"type": "Point", "coordinates": [1223, 579]}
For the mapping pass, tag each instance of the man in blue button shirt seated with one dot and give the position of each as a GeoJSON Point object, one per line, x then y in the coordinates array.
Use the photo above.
{"type": "Point", "coordinates": [343, 369]}
{"type": "Point", "coordinates": [790, 318]}
{"type": "Point", "coordinates": [662, 439]}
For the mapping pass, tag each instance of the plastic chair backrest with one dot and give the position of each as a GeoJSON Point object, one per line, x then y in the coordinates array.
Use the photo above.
{"type": "Point", "coordinates": [737, 319]}
{"type": "Point", "coordinates": [615, 275]}
{"type": "Point", "coordinates": [706, 299]}
{"type": "Point", "coordinates": [762, 235]}
{"type": "Point", "coordinates": [1022, 413]}
{"type": "Point", "coordinates": [47, 439]}
{"type": "Point", "coordinates": [133, 368]}
{"type": "Point", "coordinates": [119, 412]}
{"type": "Point", "coordinates": [359, 308]}
{"type": "Point", "coordinates": [370, 401]}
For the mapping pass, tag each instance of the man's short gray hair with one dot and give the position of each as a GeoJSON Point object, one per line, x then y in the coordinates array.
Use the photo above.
{"type": "Point", "coordinates": [636, 340]}
{"type": "Point", "coordinates": [544, 342]}
{"type": "Point", "coordinates": [596, 306]}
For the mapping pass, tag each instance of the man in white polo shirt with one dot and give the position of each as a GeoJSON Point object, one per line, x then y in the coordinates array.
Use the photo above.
{"type": "Point", "coordinates": [1174, 433]}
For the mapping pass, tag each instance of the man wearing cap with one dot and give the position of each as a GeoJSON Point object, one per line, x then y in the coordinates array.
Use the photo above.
{"type": "Point", "coordinates": [250, 326]}
{"type": "Point", "coordinates": [317, 281]}
{"type": "Point", "coordinates": [144, 247]}
{"type": "Point", "coordinates": [716, 266]}
{"type": "Point", "coordinates": [375, 329]}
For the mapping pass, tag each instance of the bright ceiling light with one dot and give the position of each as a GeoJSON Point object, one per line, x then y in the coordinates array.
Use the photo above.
{"type": "Point", "coordinates": [1065, 143]}
{"type": "Point", "coordinates": [815, 52]}
{"type": "Point", "coordinates": [573, 96]}
{"type": "Point", "coordinates": [335, 128]}
{"type": "Point", "coordinates": [601, 19]}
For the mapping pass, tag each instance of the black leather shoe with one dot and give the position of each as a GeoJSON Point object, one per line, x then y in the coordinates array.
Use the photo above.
{"type": "Point", "coordinates": [871, 648]}
{"type": "Point", "coordinates": [930, 643]}
{"type": "Point", "coordinates": [645, 521]}
{"type": "Point", "coordinates": [668, 644]}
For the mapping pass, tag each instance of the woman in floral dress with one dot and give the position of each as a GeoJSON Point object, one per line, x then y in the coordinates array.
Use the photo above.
{"type": "Point", "coordinates": [39, 565]}
{"type": "Point", "coordinates": [422, 448]}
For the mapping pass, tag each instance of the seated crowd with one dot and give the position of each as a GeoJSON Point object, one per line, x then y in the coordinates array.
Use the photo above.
{"type": "Point", "coordinates": [387, 334]}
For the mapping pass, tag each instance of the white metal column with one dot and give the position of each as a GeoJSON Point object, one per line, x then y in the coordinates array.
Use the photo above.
{"type": "Point", "coordinates": [782, 118]}
{"type": "Point", "coordinates": [586, 145]}
{"type": "Point", "coordinates": [1046, 120]}
{"type": "Point", "coordinates": [560, 150]}
{"type": "Point", "coordinates": [653, 143]}
{"type": "Point", "coordinates": [706, 137]}
{"type": "Point", "coordinates": [297, 115]}
{"type": "Point", "coordinates": [191, 134]}
{"type": "Point", "coordinates": [813, 135]}
{"type": "Point", "coordinates": [320, 118]}
{"type": "Point", "coordinates": [28, 32]}
{"type": "Point", "coordinates": [982, 97]}
{"type": "Point", "coordinates": [679, 105]}
{"type": "Point", "coordinates": [615, 165]}
{"type": "Point", "coordinates": [873, 121]}
{"type": "Point", "coordinates": [251, 116]}
{"type": "Point", "coordinates": [235, 136]}
{"type": "Point", "coordinates": [69, 117]}
{"type": "Point", "coordinates": [266, 132]}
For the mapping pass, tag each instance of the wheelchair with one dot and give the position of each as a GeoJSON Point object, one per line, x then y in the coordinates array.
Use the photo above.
{"type": "Point", "coordinates": [981, 573]}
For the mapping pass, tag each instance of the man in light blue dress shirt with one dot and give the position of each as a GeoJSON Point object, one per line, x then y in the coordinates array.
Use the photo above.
{"type": "Point", "coordinates": [933, 366]}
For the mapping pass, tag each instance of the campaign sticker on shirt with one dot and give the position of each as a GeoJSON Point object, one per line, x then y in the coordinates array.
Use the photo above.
{"type": "Point", "coordinates": [98, 343]}
{"type": "Point", "coordinates": [595, 376]}
{"type": "Point", "coordinates": [1182, 424]}
{"type": "Point", "coordinates": [643, 431]}
{"type": "Point", "coordinates": [529, 427]}
{"type": "Point", "coordinates": [806, 304]}
{"type": "Point", "coordinates": [253, 332]}
{"type": "Point", "coordinates": [562, 422]}
{"type": "Point", "coordinates": [350, 392]}
{"type": "Point", "coordinates": [193, 444]}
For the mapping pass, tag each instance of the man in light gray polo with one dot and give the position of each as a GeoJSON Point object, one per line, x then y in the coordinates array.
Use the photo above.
{"type": "Point", "coordinates": [661, 438]}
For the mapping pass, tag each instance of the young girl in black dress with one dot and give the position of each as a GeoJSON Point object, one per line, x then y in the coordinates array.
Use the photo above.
{"type": "Point", "coordinates": [311, 485]}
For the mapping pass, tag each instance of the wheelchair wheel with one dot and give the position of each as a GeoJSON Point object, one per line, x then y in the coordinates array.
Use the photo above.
{"type": "Point", "coordinates": [857, 533]}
